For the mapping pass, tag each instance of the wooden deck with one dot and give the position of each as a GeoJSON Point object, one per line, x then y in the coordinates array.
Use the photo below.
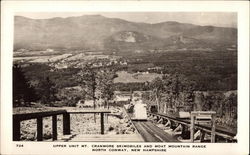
{"type": "Point", "coordinates": [87, 111]}
{"type": "Point", "coordinates": [102, 138]}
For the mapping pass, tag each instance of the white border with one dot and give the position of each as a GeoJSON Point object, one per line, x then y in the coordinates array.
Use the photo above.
{"type": "Point", "coordinates": [8, 8]}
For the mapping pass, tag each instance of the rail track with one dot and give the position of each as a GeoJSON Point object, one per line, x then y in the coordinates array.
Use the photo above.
{"type": "Point", "coordinates": [220, 131]}
{"type": "Point", "coordinates": [151, 133]}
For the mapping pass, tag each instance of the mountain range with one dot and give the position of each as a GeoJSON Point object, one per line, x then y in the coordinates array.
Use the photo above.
{"type": "Point", "coordinates": [96, 32]}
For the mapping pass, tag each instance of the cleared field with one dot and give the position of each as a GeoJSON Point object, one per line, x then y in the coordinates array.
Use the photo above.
{"type": "Point", "coordinates": [125, 77]}
{"type": "Point", "coordinates": [60, 57]}
{"type": "Point", "coordinates": [42, 59]}
{"type": "Point", "coordinates": [39, 59]}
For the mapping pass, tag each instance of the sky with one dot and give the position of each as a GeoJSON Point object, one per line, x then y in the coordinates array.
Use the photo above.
{"type": "Point", "coordinates": [221, 19]}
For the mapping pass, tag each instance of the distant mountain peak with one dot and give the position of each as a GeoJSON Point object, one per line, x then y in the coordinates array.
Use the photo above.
{"type": "Point", "coordinates": [171, 22]}
{"type": "Point", "coordinates": [99, 32]}
{"type": "Point", "coordinates": [94, 16]}
{"type": "Point", "coordinates": [20, 17]}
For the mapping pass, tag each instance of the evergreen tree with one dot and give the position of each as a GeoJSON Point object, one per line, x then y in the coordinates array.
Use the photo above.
{"type": "Point", "coordinates": [157, 86]}
{"type": "Point", "coordinates": [22, 90]}
{"type": "Point", "coordinates": [88, 80]}
{"type": "Point", "coordinates": [105, 84]}
{"type": "Point", "coordinates": [47, 91]}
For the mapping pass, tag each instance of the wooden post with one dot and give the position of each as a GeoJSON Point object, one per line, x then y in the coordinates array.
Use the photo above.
{"type": "Point", "coordinates": [66, 124]}
{"type": "Point", "coordinates": [184, 129]}
{"type": "Point", "coordinates": [168, 124]}
{"type": "Point", "coordinates": [213, 129]}
{"type": "Point", "coordinates": [178, 128]}
{"type": "Point", "coordinates": [160, 120]}
{"type": "Point", "coordinates": [16, 129]}
{"type": "Point", "coordinates": [39, 129]}
{"type": "Point", "coordinates": [202, 136]}
{"type": "Point", "coordinates": [206, 114]}
{"type": "Point", "coordinates": [192, 128]}
{"type": "Point", "coordinates": [102, 124]}
{"type": "Point", "coordinates": [54, 127]}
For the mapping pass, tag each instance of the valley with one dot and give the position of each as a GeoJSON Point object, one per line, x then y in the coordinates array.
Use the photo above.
{"type": "Point", "coordinates": [87, 61]}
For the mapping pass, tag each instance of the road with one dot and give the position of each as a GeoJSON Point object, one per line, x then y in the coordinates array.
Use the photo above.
{"type": "Point", "coordinates": [152, 133]}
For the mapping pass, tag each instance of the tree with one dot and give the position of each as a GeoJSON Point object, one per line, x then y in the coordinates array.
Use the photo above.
{"type": "Point", "coordinates": [167, 90]}
{"type": "Point", "coordinates": [22, 90]}
{"type": "Point", "coordinates": [188, 87]}
{"type": "Point", "coordinates": [178, 84]}
{"type": "Point", "coordinates": [105, 84]}
{"type": "Point", "coordinates": [47, 91]}
{"type": "Point", "coordinates": [157, 86]}
{"type": "Point", "coordinates": [70, 96]}
{"type": "Point", "coordinates": [87, 77]}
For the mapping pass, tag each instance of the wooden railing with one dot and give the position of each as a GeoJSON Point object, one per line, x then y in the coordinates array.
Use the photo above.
{"type": "Point", "coordinates": [102, 112]}
{"type": "Point", "coordinates": [17, 118]}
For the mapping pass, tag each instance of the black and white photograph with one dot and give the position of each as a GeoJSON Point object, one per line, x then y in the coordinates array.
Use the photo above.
{"type": "Point", "coordinates": [136, 77]}
{"type": "Point", "coordinates": [124, 77]}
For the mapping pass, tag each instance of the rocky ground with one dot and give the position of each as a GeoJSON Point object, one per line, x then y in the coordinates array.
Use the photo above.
{"type": "Point", "coordinates": [115, 123]}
